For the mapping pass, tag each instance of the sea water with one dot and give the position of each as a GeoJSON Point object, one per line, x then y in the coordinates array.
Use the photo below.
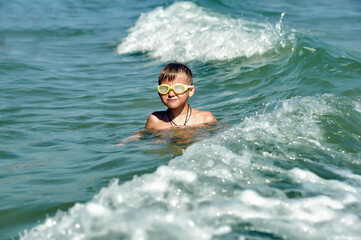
{"type": "Point", "coordinates": [281, 77]}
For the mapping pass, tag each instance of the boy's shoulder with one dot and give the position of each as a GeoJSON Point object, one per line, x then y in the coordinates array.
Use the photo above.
{"type": "Point", "coordinates": [159, 115]}
{"type": "Point", "coordinates": [156, 120]}
{"type": "Point", "coordinates": [202, 117]}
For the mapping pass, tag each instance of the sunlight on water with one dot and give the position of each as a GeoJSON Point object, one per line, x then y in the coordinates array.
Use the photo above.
{"type": "Point", "coordinates": [240, 175]}
{"type": "Point", "coordinates": [282, 162]}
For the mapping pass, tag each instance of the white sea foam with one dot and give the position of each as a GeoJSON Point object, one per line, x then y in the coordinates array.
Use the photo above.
{"type": "Point", "coordinates": [357, 104]}
{"type": "Point", "coordinates": [185, 31]}
{"type": "Point", "coordinates": [240, 177]}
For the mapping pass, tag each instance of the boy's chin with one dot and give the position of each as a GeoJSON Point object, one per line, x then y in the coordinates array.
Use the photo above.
{"type": "Point", "coordinates": [171, 104]}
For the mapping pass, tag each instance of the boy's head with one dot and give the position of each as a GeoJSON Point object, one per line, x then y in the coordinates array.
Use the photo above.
{"type": "Point", "coordinates": [170, 71]}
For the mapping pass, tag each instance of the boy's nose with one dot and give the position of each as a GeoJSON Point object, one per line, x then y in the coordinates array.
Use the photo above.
{"type": "Point", "coordinates": [171, 92]}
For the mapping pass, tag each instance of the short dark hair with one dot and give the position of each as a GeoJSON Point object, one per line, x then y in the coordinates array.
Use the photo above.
{"type": "Point", "coordinates": [170, 71]}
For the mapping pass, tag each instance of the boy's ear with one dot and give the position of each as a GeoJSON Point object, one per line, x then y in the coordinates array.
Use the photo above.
{"type": "Point", "coordinates": [191, 91]}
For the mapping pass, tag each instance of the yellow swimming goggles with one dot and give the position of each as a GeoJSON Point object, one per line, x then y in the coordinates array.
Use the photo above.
{"type": "Point", "coordinates": [177, 88]}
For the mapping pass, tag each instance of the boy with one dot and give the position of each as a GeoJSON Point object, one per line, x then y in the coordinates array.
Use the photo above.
{"type": "Point", "coordinates": [175, 86]}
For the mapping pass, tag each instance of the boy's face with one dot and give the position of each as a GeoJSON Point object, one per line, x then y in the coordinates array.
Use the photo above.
{"type": "Point", "coordinates": [174, 100]}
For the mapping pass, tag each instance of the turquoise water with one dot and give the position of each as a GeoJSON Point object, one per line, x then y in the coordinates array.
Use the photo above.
{"type": "Point", "coordinates": [281, 77]}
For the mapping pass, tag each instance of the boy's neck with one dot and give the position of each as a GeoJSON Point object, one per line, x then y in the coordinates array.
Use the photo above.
{"type": "Point", "coordinates": [178, 111]}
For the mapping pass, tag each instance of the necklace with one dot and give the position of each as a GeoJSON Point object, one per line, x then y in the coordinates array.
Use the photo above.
{"type": "Point", "coordinates": [189, 110]}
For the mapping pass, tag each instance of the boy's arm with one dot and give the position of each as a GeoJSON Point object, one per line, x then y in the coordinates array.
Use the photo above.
{"type": "Point", "coordinates": [131, 138]}
{"type": "Point", "coordinates": [150, 123]}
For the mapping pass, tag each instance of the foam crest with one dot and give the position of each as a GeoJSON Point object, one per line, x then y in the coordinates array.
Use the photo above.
{"type": "Point", "coordinates": [237, 182]}
{"type": "Point", "coordinates": [185, 31]}
{"type": "Point", "coordinates": [357, 105]}
{"type": "Point", "coordinates": [282, 128]}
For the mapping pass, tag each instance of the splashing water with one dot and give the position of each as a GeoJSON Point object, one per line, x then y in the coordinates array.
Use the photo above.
{"type": "Point", "coordinates": [238, 182]}
{"type": "Point", "coordinates": [185, 32]}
